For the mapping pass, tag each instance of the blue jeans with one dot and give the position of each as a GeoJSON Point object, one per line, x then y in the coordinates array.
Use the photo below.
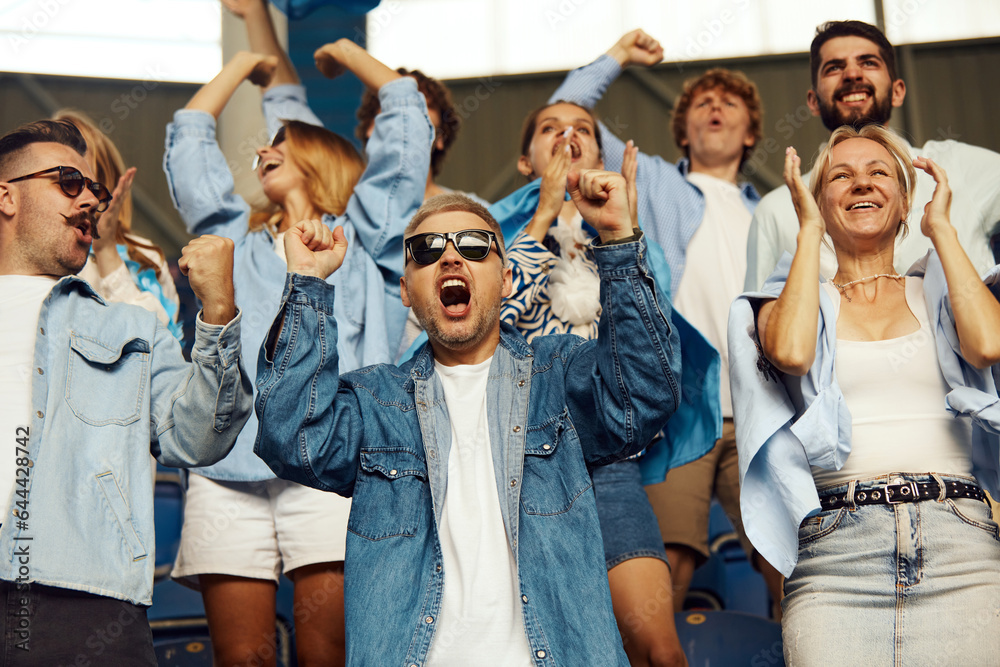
{"type": "Point", "coordinates": [904, 584]}
{"type": "Point", "coordinates": [628, 525]}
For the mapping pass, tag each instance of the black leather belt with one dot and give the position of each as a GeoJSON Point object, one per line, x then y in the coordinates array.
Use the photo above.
{"type": "Point", "coordinates": [903, 492]}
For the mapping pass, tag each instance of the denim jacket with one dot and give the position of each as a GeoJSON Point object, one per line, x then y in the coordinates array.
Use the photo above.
{"type": "Point", "coordinates": [370, 314]}
{"type": "Point", "coordinates": [381, 434]}
{"type": "Point", "coordinates": [784, 423]}
{"type": "Point", "coordinates": [111, 388]}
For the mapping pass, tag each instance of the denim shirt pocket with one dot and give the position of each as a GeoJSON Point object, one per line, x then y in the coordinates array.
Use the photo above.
{"type": "Point", "coordinates": [555, 474]}
{"type": "Point", "coordinates": [390, 494]}
{"type": "Point", "coordinates": [122, 513]}
{"type": "Point", "coordinates": [106, 385]}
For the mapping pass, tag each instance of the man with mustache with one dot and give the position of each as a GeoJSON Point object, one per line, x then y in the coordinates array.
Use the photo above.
{"type": "Point", "coordinates": [88, 390]}
{"type": "Point", "coordinates": [854, 82]}
{"type": "Point", "coordinates": [474, 535]}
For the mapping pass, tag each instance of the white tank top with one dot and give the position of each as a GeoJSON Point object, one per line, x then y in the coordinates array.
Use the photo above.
{"type": "Point", "coordinates": [895, 392]}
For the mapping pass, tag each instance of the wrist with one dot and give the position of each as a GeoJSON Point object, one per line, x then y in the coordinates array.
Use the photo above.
{"type": "Point", "coordinates": [810, 234]}
{"type": "Point", "coordinates": [220, 313]}
{"type": "Point", "coordinates": [620, 54]}
{"type": "Point", "coordinates": [619, 236]}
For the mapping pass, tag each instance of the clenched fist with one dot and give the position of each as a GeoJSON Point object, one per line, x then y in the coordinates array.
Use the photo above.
{"type": "Point", "coordinates": [207, 261]}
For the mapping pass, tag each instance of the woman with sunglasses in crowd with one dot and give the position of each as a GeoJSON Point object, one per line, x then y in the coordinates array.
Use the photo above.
{"type": "Point", "coordinates": [123, 267]}
{"type": "Point", "coordinates": [243, 526]}
{"type": "Point", "coordinates": [867, 421]}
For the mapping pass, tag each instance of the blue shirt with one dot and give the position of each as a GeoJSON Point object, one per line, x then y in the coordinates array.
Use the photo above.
{"type": "Point", "coordinates": [670, 207]}
{"type": "Point", "coordinates": [370, 312]}
{"type": "Point", "coordinates": [784, 423]}
{"type": "Point", "coordinates": [382, 435]}
{"type": "Point", "coordinates": [111, 388]}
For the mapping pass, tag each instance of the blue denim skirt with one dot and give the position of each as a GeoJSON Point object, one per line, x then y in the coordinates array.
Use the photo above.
{"type": "Point", "coordinates": [904, 584]}
{"type": "Point", "coordinates": [628, 524]}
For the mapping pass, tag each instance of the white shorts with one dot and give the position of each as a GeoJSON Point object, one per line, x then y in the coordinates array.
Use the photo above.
{"type": "Point", "coordinates": [258, 529]}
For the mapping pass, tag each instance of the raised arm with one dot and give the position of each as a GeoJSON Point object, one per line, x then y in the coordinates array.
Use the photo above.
{"type": "Point", "coordinates": [198, 175]}
{"type": "Point", "coordinates": [215, 95]}
{"type": "Point", "coordinates": [199, 408]}
{"type": "Point", "coordinates": [586, 85]}
{"type": "Point", "coordinates": [626, 381]}
{"type": "Point", "coordinates": [788, 325]}
{"type": "Point", "coordinates": [344, 55]}
{"type": "Point", "coordinates": [263, 38]}
{"type": "Point", "coordinates": [976, 310]}
{"type": "Point", "coordinates": [316, 441]}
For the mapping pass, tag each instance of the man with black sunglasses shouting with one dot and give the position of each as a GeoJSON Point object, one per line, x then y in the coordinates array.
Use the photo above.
{"type": "Point", "coordinates": [473, 535]}
{"type": "Point", "coordinates": [88, 390]}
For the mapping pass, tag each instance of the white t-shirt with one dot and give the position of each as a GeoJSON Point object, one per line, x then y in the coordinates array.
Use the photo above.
{"type": "Point", "coordinates": [895, 392]}
{"type": "Point", "coordinates": [21, 300]}
{"type": "Point", "coordinates": [715, 267]}
{"type": "Point", "coordinates": [480, 619]}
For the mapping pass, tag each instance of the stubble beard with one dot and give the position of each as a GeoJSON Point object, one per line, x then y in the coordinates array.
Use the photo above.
{"type": "Point", "coordinates": [878, 114]}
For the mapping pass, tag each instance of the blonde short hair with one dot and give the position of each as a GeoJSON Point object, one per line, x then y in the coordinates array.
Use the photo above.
{"type": "Point", "coordinates": [906, 175]}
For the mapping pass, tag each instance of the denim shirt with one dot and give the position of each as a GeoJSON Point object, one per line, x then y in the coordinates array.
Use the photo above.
{"type": "Point", "coordinates": [111, 388]}
{"type": "Point", "coordinates": [784, 423]}
{"type": "Point", "coordinates": [382, 435]}
{"type": "Point", "coordinates": [370, 313]}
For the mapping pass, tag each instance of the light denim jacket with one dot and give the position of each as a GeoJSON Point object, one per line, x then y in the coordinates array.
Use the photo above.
{"type": "Point", "coordinates": [784, 423]}
{"type": "Point", "coordinates": [382, 435]}
{"type": "Point", "coordinates": [113, 387]}
{"type": "Point", "coordinates": [370, 314]}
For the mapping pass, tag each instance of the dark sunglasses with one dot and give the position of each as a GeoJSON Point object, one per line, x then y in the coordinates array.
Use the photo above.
{"type": "Point", "coordinates": [472, 244]}
{"type": "Point", "coordinates": [276, 140]}
{"type": "Point", "coordinates": [72, 183]}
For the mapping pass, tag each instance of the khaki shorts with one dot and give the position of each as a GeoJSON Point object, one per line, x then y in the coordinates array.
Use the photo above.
{"type": "Point", "coordinates": [683, 500]}
{"type": "Point", "coordinates": [258, 529]}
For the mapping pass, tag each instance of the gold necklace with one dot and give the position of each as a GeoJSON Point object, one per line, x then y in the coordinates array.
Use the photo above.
{"type": "Point", "coordinates": [843, 288]}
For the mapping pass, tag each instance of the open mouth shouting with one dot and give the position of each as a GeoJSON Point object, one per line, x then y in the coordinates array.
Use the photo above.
{"type": "Point", "coordinates": [455, 296]}
{"type": "Point", "coordinates": [268, 166]}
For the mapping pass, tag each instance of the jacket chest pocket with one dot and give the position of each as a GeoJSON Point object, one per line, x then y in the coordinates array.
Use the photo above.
{"type": "Point", "coordinates": [105, 385]}
{"type": "Point", "coordinates": [391, 494]}
{"type": "Point", "coordinates": [555, 474]}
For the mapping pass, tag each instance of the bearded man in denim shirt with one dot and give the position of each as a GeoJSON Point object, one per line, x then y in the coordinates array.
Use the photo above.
{"type": "Point", "coordinates": [88, 390]}
{"type": "Point", "coordinates": [473, 533]}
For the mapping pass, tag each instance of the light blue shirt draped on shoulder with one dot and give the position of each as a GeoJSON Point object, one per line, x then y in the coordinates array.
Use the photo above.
{"type": "Point", "coordinates": [784, 424]}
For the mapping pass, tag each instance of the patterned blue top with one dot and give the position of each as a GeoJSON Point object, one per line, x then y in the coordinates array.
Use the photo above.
{"type": "Point", "coordinates": [529, 307]}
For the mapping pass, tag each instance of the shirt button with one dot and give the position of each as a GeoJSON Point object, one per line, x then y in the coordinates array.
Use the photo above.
{"type": "Point", "coordinates": [540, 654]}
{"type": "Point", "coordinates": [41, 330]}
{"type": "Point", "coordinates": [40, 371]}
{"type": "Point", "coordinates": [524, 598]}
{"type": "Point", "coordinates": [517, 429]}
{"type": "Point", "coordinates": [39, 413]}
{"type": "Point", "coordinates": [430, 619]}
{"type": "Point", "coordinates": [513, 483]}
{"type": "Point", "coordinates": [546, 447]}
{"type": "Point", "coordinates": [393, 471]}
{"type": "Point", "coordinates": [438, 568]}
{"type": "Point", "coordinates": [433, 454]}
{"type": "Point", "coordinates": [520, 383]}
